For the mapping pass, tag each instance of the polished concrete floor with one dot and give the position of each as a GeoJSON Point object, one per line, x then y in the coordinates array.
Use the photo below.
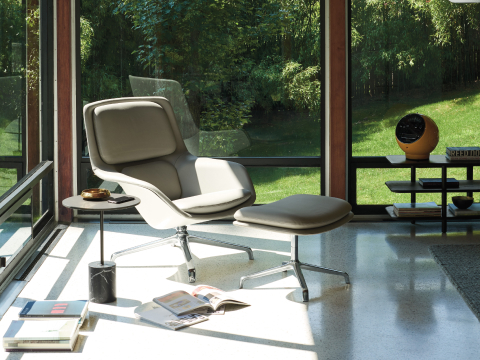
{"type": "Point", "coordinates": [400, 305]}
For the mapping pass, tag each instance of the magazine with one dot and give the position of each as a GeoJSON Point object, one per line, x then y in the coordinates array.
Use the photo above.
{"type": "Point", "coordinates": [41, 335]}
{"type": "Point", "coordinates": [154, 313]}
{"type": "Point", "coordinates": [202, 297]}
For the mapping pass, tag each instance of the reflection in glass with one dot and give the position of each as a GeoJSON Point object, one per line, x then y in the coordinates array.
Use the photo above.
{"type": "Point", "coordinates": [244, 81]}
{"type": "Point", "coordinates": [198, 142]}
{"type": "Point", "coordinates": [94, 182]}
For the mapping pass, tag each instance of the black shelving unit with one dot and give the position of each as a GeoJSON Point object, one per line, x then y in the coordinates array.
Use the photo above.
{"type": "Point", "coordinates": [435, 161]}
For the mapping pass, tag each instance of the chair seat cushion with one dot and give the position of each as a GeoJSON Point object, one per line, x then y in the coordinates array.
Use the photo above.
{"type": "Point", "coordinates": [213, 202]}
{"type": "Point", "coordinates": [296, 212]}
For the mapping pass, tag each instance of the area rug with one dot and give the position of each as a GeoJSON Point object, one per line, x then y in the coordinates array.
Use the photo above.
{"type": "Point", "coordinates": [461, 263]}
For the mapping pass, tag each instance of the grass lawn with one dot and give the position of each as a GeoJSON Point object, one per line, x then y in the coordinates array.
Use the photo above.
{"type": "Point", "coordinates": [373, 131]}
{"type": "Point", "coordinates": [456, 115]}
{"type": "Point", "coordinates": [283, 134]}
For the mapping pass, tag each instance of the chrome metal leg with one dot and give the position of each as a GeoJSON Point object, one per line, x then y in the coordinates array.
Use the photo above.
{"type": "Point", "coordinates": [183, 236]}
{"type": "Point", "coordinates": [297, 267]}
{"type": "Point", "coordinates": [325, 270]}
{"type": "Point", "coordinates": [181, 240]}
{"type": "Point", "coordinates": [271, 271]}
{"type": "Point", "coordinates": [149, 245]}
{"type": "Point", "coordinates": [303, 284]}
{"type": "Point", "coordinates": [224, 244]}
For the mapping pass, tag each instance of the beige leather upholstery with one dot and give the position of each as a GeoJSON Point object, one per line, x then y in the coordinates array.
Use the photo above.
{"type": "Point", "coordinates": [132, 131]}
{"type": "Point", "coordinates": [213, 202]}
{"type": "Point", "coordinates": [134, 157]}
{"type": "Point", "coordinates": [297, 212]}
{"type": "Point", "coordinates": [310, 231]}
{"type": "Point", "coordinates": [161, 174]}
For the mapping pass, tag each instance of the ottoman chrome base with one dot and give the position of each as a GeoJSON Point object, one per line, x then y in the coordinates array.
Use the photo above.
{"type": "Point", "coordinates": [296, 215]}
{"type": "Point", "coordinates": [297, 266]}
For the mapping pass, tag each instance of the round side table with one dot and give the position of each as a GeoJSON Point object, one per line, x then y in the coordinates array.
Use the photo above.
{"type": "Point", "coordinates": [102, 288]}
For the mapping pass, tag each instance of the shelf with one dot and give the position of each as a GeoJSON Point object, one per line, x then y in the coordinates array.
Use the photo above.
{"type": "Point", "coordinates": [432, 162]}
{"type": "Point", "coordinates": [450, 216]}
{"type": "Point", "coordinates": [413, 187]}
{"type": "Point", "coordinates": [409, 187]}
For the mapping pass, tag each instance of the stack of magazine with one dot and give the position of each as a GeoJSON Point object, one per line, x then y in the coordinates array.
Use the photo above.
{"type": "Point", "coordinates": [46, 325]}
{"type": "Point", "coordinates": [179, 309]}
{"type": "Point", "coordinates": [417, 209]}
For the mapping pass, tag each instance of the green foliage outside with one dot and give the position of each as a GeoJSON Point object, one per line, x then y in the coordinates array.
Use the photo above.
{"type": "Point", "coordinates": [219, 51]}
{"type": "Point", "coordinates": [412, 56]}
{"type": "Point", "coordinates": [255, 65]}
{"type": "Point", "coordinates": [12, 22]}
{"type": "Point", "coordinates": [407, 44]}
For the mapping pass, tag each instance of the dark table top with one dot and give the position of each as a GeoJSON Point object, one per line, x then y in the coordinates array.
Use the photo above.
{"type": "Point", "coordinates": [78, 203]}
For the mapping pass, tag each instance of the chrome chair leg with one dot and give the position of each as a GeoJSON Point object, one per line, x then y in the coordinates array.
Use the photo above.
{"type": "Point", "coordinates": [224, 244]}
{"type": "Point", "coordinates": [181, 240]}
{"type": "Point", "coordinates": [270, 271]}
{"type": "Point", "coordinates": [149, 245]}
{"type": "Point", "coordinates": [325, 270]}
{"type": "Point", "coordinates": [183, 236]}
{"type": "Point", "coordinates": [303, 284]}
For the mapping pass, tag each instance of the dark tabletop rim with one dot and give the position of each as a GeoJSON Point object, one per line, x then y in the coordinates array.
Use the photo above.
{"type": "Point", "coordinates": [77, 202]}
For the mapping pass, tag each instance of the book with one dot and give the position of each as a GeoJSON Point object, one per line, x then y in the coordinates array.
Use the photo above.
{"type": "Point", "coordinates": [154, 313]}
{"type": "Point", "coordinates": [453, 158]}
{"type": "Point", "coordinates": [436, 183]}
{"type": "Point", "coordinates": [24, 335]}
{"type": "Point", "coordinates": [417, 209]}
{"type": "Point", "coordinates": [54, 309]}
{"type": "Point", "coordinates": [202, 297]}
{"type": "Point", "coordinates": [463, 151]}
{"type": "Point", "coordinates": [473, 210]}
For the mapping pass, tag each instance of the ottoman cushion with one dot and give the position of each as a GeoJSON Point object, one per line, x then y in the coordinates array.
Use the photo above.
{"type": "Point", "coordinates": [296, 212]}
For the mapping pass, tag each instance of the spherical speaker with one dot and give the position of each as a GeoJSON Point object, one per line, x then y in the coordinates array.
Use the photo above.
{"type": "Point", "coordinates": [417, 135]}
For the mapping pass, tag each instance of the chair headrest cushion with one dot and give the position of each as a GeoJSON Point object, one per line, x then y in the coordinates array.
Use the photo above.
{"type": "Point", "coordinates": [132, 131]}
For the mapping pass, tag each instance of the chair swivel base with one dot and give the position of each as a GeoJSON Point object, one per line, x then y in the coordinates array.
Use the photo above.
{"type": "Point", "coordinates": [181, 240]}
{"type": "Point", "coordinates": [297, 266]}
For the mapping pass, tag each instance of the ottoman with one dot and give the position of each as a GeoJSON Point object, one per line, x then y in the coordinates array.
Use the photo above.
{"type": "Point", "coordinates": [296, 215]}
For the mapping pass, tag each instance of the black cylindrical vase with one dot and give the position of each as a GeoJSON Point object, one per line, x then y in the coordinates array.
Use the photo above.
{"type": "Point", "coordinates": [103, 284]}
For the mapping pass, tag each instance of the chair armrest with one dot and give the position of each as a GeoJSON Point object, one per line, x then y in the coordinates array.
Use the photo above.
{"type": "Point", "coordinates": [133, 184]}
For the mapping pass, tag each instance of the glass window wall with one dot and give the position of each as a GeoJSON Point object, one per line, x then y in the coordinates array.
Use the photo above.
{"type": "Point", "coordinates": [26, 127]}
{"type": "Point", "coordinates": [411, 57]}
{"type": "Point", "coordinates": [244, 78]}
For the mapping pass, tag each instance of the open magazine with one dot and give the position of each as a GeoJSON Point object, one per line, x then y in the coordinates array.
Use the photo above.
{"type": "Point", "coordinates": [201, 299]}
{"type": "Point", "coordinates": [154, 313]}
